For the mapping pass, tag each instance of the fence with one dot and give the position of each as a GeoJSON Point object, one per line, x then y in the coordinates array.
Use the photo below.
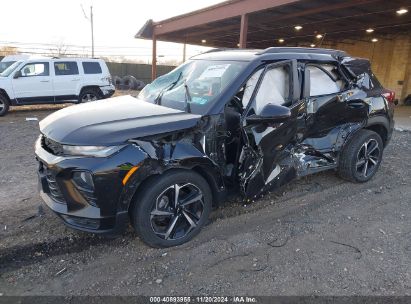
{"type": "Point", "coordinates": [140, 71]}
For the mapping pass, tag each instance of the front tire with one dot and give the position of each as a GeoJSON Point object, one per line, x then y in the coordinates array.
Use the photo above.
{"type": "Point", "coordinates": [361, 157]}
{"type": "Point", "coordinates": [171, 208]}
{"type": "Point", "coordinates": [4, 105]}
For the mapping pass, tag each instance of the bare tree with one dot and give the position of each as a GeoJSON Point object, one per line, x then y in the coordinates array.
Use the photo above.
{"type": "Point", "coordinates": [8, 50]}
{"type": "Point", "coordinates": [59, 50]}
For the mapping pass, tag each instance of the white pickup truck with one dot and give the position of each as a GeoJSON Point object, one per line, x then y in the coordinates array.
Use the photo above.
{"type": "Point", "coordinates": [54, 80]}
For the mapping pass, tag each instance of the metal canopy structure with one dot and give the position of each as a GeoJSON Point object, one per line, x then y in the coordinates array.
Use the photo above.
{"type": "Point", "coordinates": [265, 23]}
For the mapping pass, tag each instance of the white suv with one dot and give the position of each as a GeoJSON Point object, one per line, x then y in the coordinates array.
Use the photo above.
{"type": "Point", "coordinates": [10, 59]}
{"type": "Point", "coordinates": [49, 80]}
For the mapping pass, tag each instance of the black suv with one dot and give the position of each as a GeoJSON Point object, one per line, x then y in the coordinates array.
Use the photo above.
{"type": "Point", "coordinates": [242, 120]}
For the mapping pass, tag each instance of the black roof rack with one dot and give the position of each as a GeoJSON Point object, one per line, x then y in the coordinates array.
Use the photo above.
{"type": "Point", "coordinates": [218, 50]}
{"type": "Point", "coordinates": [223, 49]}
{"type": "Point", "coordinates": [302, 50]}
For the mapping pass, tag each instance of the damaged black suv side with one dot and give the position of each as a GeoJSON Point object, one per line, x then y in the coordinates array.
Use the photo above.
{"type": "Point", "coordinates": [246, 120]}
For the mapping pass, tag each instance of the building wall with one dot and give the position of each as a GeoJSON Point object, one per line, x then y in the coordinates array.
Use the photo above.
{"type": "Point", "coordinates": [390, 59]}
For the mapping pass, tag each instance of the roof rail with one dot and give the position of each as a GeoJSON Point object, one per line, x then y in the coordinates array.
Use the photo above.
{"type": "Point", "coordinates": [218, 50]}
{"type": "Point", "coordinates": [302, 50]}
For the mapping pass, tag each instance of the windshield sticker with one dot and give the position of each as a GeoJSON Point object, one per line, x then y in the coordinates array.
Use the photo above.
{"type": "Point", "coordinates": [214, 71]}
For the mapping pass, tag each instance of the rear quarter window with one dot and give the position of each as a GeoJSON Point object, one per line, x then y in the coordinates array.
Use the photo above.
{"type": "Point", "coordinates": [92, 68]}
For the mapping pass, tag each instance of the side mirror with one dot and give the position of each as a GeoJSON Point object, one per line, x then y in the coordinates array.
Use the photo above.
{"type": "Point", "coordinates": [271, 113]}
{"type": "Point", "coordinates": [17, 75]}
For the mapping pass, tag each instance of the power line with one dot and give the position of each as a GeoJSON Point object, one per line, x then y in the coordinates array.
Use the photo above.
{"type": "Point", "coordinates": [53, 51]}
{"type": "Point", "coordinates": [78, 45]}
{"type": "Point", "coordinates": [85, 55]}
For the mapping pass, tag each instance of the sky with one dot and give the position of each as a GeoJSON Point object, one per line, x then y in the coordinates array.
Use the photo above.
{"type": "Point", "coordinates": [42, 25]}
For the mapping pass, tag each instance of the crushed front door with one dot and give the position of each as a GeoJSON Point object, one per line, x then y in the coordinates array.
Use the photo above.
{"type": "Point", "coordinates": [266, 145]}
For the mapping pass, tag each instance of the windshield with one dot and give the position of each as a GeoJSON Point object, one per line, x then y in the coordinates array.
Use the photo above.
{"type": "Point", "coordinates": [5, 65]}
{"type": "Point", "coordinates": [202, 80]}
{"type": "Point", "coordinates": [10, 69]}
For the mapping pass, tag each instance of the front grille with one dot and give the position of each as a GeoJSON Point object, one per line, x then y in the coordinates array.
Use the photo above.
{"type": "Point", "coordinates": [54, 188]}
{"type": "Point", "coordinates": [82, 222]}
{"type": "Point", "coordinates": [51, 146]}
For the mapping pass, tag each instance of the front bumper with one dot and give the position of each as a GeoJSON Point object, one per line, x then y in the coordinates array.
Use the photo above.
{"type": "Point", "coordinates": [107, 91]}
{"type": "Point", "coordinates": [105, 209]}
{"type": "Point", "coordinates": [99, 225]}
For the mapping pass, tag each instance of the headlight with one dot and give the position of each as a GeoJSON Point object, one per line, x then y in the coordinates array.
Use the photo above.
{"type": "Point", "coordinates": [96, 151]}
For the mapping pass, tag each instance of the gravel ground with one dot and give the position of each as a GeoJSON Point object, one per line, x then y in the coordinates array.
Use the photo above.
{"type": "Point", "coordinates": [318, 235]}
{"type": "Point", "coordinates": [403, 117]}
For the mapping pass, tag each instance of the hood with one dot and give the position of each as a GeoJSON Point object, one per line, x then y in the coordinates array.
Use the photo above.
{"type": "Point", "coordinates": [113, 121]}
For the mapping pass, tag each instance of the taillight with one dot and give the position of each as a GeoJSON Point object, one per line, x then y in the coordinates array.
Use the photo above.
{"type": "Point", "coordinates": [108, 79]}
{"type": "Point", "coordinates": [389, 95]}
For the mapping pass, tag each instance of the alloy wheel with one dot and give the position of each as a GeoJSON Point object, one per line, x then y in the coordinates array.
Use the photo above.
{"type": "Point", "coordinates": [89, 97]}
{"type": "Point", "coordinates": [2, 105]}
{"type": "Point", "coordinates": [177, 211]}
{"type": "Point", "coordinates": [368, 158]}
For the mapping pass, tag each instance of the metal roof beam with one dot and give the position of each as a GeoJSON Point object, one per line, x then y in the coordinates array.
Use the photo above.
{"type": "Point", "coordinates": [223, 11]}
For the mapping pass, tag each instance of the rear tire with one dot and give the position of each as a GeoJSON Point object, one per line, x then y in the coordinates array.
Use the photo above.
{"type": "Point", "coordinates": [159, 220]}
{"type": "Point", "coordinates": [4, 105]}
{"type": "Point", "coordinates": [90, 94]}
{"type": "Point", "coordinates": [361, 157]}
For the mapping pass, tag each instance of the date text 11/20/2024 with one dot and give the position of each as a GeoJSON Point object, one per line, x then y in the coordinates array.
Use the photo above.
{"type": "Point", "coordinates": [203, 299]}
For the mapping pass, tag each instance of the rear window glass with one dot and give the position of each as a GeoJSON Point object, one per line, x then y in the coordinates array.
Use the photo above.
{"type": "Point", "coordinates": [66, 68]}
{"type": "Point", "coordinates": [92, 68]}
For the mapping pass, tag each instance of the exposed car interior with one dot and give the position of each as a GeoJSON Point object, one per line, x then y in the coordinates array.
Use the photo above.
{"type": "Point", "coordinates": [274, 88]}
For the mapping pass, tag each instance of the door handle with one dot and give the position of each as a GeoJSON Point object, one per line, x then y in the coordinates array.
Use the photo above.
{"type": "Point", "coordinates": [44, 80]}
{"type": "Point", "coordinates": [77, 79]}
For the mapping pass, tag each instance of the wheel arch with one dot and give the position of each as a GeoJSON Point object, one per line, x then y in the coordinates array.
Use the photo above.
{"type": "Point", "coordinates": [208, 172]}
{"type": "Point", "coordinates": [214, 180]}
{"type": "Point", "coordinates": [4, 93]}
{"type": "Point", "coordinates": [86, 87]}
{"type": "Point", "coordinates": [381, 130]}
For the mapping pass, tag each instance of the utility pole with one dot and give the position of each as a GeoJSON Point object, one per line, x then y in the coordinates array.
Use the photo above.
{"type": "Point", "coordinates": [92, 27]}
{"type": "Point", "coordinates": [92, 31]}
{"type": "Point", "coordinates": [184, 49]}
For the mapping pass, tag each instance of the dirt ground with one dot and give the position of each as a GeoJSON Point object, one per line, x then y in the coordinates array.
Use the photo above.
{"type": "Point", "coordinates": [319, 235]}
